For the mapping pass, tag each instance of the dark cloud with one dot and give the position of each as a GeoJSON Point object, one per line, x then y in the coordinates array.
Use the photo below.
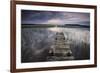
{"type": "Point", "coordinates": [36, 42]}
{"type": "Point", "coordinates": [53, 17]}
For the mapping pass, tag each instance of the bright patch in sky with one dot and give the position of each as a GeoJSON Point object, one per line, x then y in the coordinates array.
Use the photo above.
{"type": "Point", "coordinates": [54, 17]}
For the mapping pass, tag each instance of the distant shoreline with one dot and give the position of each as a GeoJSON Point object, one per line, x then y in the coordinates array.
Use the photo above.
{"type": "Point", "coordinates": [51, 25]}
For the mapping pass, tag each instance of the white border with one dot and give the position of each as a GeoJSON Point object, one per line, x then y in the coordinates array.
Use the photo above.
{"type": "Point", "coordinates": [20, 65]}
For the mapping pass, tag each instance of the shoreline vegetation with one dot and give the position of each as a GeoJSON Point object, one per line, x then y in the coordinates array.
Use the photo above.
{"type": "Point", "coordinates": [51, 25]}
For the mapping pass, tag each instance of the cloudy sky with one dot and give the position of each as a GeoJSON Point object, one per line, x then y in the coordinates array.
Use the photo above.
{"type": "Point", "coordinates": [54, 17]}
